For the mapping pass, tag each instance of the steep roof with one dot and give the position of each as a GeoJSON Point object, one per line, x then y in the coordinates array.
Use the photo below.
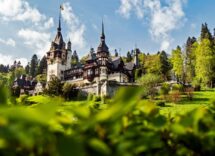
{"type": "Point", "coordinates": [102, 46]}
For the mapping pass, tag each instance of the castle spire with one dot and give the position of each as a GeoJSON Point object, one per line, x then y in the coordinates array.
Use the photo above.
{"type": "Point", "coordinates": [103, 33]}
{"type": "Point", "coordinates": [59, 24]}
{"type": "Point", "coordinates": [102, 46]}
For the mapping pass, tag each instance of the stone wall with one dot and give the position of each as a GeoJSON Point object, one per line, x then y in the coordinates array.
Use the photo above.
{"type": "Point", "coordinates": [106, 88]}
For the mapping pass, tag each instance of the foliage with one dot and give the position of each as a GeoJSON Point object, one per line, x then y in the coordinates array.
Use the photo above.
{"type": "Point", "coordinates": [152, 64]}
{"type": "Point", "coordinates": [190, 58]}
{"type": "Point", "coordinates": [165, 65]}
{"type": "Point", "coordinates": [196, 84]}
{"type": "Point", "coordinates": [54, 87]}
{"type": "Point", "coordinates": [69, 91]}
{"type": "Point", "coordinates": [164, 90]}
{"type": "Point", "coordinates": [27, 69]}
{"type": "Point", "coordinates": [22, 100]}
{"type": "Point", "coordinates": [149, 83]}
{"type": "Point", "coordinates": [129, 57]}
{"type": "Point", "coordinates": [42, 68]}
{"type": "Point", "coordinates": [178, 87]}
{"type": "Point", "coordinates": [205, 62]}
{"type": "Point", "coordinates": [175, 96]}
{"type": "Point", "coordinates": [4, 94]}
{"type": "Point", "coordinates": [160, 103]}
{"type": "Point", "coordinates": [177, 63]}
{"type": "Point", "coordinates": [129, 126]}
{"type": "Point", "coordinates": [19, 71]}
{"type": "Point", "coordinates": [189, 92]}
{"type": "Point", "coordinates": [41, 78]}
{"type": "Point", "coordinates": [34, 65]}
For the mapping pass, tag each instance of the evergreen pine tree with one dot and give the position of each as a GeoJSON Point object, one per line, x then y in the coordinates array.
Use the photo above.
{"type": "Point", "coordinates": [129, 57]}
{"type": "Point", "coordinates": [165, 64]}
{"type": "Point", "coordinates": [42, 66]}
{"type": "Point", "coordinates": [116, 54]}
{"type": "Point", "coordinates": [27, 68]}
{"type": "Point", "coordinates": [34, 65]}
{"type": "Point", "coordinates": [205, 33]}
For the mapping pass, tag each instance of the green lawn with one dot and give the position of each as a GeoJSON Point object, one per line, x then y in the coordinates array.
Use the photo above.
{"type": "Point", "coordinates": [201, 99]}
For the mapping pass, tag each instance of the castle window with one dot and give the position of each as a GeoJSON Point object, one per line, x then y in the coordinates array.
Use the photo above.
{"type": "Point", "coordinates": [89, 72]}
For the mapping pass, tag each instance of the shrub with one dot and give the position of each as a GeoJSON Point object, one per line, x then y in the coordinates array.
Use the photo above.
{"type": "Point", "coordinates": [89, 97]}
{"type": "Point", "coordinates": [96, 98]}
{"type": "Point", "coordinates": [23, 99]}
{"type": "Point", "coordinates": [149, 83]}
{"type": "Point", "coordinates": [69, 91]}
{"type": "Point", "coordinates": [178, 87]}
{"type": "Point", "coordinates": [160, 103]}
{"type": "Point", "coordinates": [164, 90]}
{"type": "Point", "coordinates": [213, 104]}
{"type": "Point", "coordinates": [81, 96]}
{"type": "Point", "coordinates": [196, 84]}
{"type": "Point", "coordinates": [189, 92]}
{"type": "Point", "coordinates": [175, 96]}
{"type": "Point", "coordinates": [54, 87]}
{"type": "Point", "coordinates": [3, 95]}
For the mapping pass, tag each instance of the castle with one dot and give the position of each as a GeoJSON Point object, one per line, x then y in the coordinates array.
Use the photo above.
{"type": "Point", "coordinates": [100, 74]}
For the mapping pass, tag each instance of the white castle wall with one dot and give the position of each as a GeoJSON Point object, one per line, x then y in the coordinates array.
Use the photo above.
{"type": "Point", "coordinates": [55, 69]}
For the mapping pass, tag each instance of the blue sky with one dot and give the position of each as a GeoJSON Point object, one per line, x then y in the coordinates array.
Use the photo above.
{"type": "Point", "coordinates": [28, 27]}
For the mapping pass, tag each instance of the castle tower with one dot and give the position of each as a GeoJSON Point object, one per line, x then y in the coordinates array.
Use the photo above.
{"type": "Point", "coordinates": [102, 56]}
{"type": "Point", "coordinates": [57, 56]}
{"type": "Point", "coordinates": [69, 55]}
{"type": "Point", "coordinates": [136, 60]}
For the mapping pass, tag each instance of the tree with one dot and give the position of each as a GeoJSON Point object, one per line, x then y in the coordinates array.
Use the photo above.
{"type": "Point", "coordinates": [27, 68]}
{"type": "Point", "coordinates": [165, 65]}
{"type": "Point", "coordinates": [74, 59]}
{"type": "Point", "coordinates": [205, 33]}
{"type": "Point", "coordinates": [41, 78]}
{"type": "Point", "coordinates": [116, 54]}
{"type": "Point", "coordinates": [190, 47]}
{"type": "Point", "coordinates": [129, 57]}
{"type": "Point", "coordinates": [149, 83]}
{"type": "Point", "coordinates": [54, 87]}
{"type": "Point", "coordinates": [69, 91]}
{"type": "Point", "coordinates": [19, 71]}
{"type": "Point", "coordinates": [152, 64]}
{"type": "Point", "coordinates": [42, 68]}
{"type": "Point", "coordinates": [177, 63]}
{"type": "Point", "coordinates": [34, 65]}
{"type": "Point", "coordinates": [205, 62]}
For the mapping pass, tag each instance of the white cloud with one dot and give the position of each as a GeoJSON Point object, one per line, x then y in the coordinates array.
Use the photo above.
{"type": "Point", "coordinates": [76, 28]}
{"type": "Point", "coordinates": [19, 10]}
{"type": "Point", "coordinates": [49, 23]}
{"type": "Point", "coordinates": [8, 42]}
{"type": "Point", "coordinates": [8, 59]}
{"type": "Point", "coordinates": [127, 6]}
{"type": "Point", "coordinates": [38, 41]}
{"type": "Point", "coordinates": [163, 17]}
{"type": "Point", "coordinates": [35, 36]}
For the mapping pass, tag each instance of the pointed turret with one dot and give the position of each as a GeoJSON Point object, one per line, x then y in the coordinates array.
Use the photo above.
{"type": "Point", "coordinates": [59, 38]}
{"type": "Point", "coordinates": [103, 34]}
{"type": "Point", "coordinates": [59, 23]}
{"type": "Point", "coordinates": [69, 45]}
{"type": "Point", "coordinates": [103, 48]}
{"type": "Point", "coordinates": [136, 60]}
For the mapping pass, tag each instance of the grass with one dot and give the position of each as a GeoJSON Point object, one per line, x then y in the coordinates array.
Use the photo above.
{"type": "Point", "coordinates": [200, 99]}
